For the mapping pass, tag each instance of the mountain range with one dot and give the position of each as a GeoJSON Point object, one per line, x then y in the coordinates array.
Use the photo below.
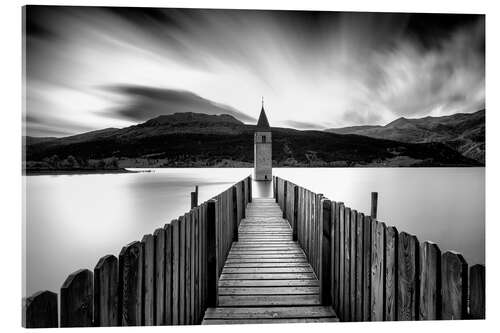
{"type": "Point", "coordinates": [463, 132]}
{"type": "Point", "coordinates": [203, 140]}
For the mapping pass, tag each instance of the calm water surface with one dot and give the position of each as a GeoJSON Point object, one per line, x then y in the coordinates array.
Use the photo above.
{"type": "Point", "coordinates": [73, 220]}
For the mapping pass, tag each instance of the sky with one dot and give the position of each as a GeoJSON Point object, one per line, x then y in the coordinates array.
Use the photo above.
{"type": "Point", "coordinates": [89, 68]}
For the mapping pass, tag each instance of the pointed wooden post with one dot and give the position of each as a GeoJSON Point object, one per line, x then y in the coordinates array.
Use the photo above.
{"type": "Point", "coordinates": [374, 205]}
{"type": "Point", "coordinates": [106, 292]}
{"type": "Point", "coordinates": [41, 310]}
{"type": "Point", "coordinates": [76, 299]}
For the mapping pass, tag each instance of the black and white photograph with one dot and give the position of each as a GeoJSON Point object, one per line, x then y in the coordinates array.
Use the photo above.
{"type": "Point", "coordinates": [217, 166]}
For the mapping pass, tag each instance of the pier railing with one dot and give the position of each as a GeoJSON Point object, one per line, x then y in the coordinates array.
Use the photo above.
{"type": "Point", "coordinates": [370, 271]}
{"type": "Point", "coordinates": [168, 278]}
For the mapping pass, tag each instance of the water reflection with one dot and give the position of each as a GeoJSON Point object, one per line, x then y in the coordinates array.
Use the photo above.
{"type": "Point", "coordinates": [262, 189]}
{"type": "Point", "coordinates": [72, 221]}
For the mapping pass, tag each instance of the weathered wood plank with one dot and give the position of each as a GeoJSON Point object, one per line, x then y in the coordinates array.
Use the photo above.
{"type": "Point", "coordinates": [239, 270]}
{"type": "Point", "coordinates": [367, 267]}
{"type": "Point", "coordinates": [358, 314]}
{"type": "Point", "coordinates": [352, 292]}
{"type": "Point", "coordinates": [378, 271]}
{"type": "Point", "coordinates": [175, 272]}
{"type": "Point", "coordinates": [430, 282]}
{"type": "Point", "coordinates": [212, 273]}
{"type": "Point", "coordinates": [268, 300]}
{"type": "Point", "coordinates": [188, 276]}
{"type": "Point", "coordinates": [408, 277]}
{"type": "Point", "coordinates": [267, 276]}
{"type": "Point", "coordinates": [268, 321]}
{"type": "Point", "coordinates": [336, 256]}
{"type": "Point", "coordinates": [454, 286]}
{"type": "Point", "coordinates": [269, 312]}
{"type": "Point", "coordinates": [268, 283]}
{"type": "Point", "coordinates": [346, 315]}
{"type": "Point", "coordinates": [182, 270]}
{"type": "Point", "coordinates": [76, 299]}
{"type": "Point", "coordinates": [130, 276]}
{"type": "Point", "coordinates": [169, 273]}
{"type": "Point", "coordinates": [340, 308]}
{"type": "Point", "coordinates": [159, 276]}
{"type": "Point", "coordinates": [106, 292]}
{"type": "Point", "coordinates": [477, 292]}
{"type": "Point", "coordinates": [148, 243]}
{"type": "Point", "coordinates": [391, 273]}
{"type": "Point", "coordinates": [41, 310]}
{"type": "Point", "coordinates": [268, 290]}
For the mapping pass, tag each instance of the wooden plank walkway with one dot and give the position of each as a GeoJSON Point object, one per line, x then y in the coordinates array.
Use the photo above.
{"type": "Point", "coordinates": [266, 277]}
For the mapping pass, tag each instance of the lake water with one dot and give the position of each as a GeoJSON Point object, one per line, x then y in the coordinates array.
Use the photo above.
{"type": "Point", "coordinates": [73, 220]}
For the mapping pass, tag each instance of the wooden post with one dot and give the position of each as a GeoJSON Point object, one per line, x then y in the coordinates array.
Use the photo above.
{"type": "Point", "coordinates": [194, 197]}
{"type": "Point", "coordinates": [106, 292]}
{"type": "Point", "coordinates": [326, 262]}
{"type": "Point", "coordinates": [454, 286]}
{"type": "Point", "coordinates": [159, 276]}
{"type": "Point", "coordinates": [235, 213]}
{"type": "Point", "coordinates": [249, 189]}
{"type": "Point", "coordinates": [374, 205]}
{"type": "Point", "coordinates": [130, 262]}
{"type": "Point", "coordinates": [391, 273]}
{"type": "Point", "coordinates": [285, 184]}
{"type": "Point", "coordinates": [367, 267]}
{"type": "Point", "coordinates": [378, 271]}
{"type": "Point", "coordinates": [76, 299]}
{"type": "Point", "coordinates": [295, 212]}
{"type": "Point", "coordinates": [477, 292]}
{"type": "Point", "coordinates": [430, 282]}
{"type": "Point", "coordinates": [41, 310]}
{"type": "Point", "coordinates": [408, 276]}
{"type": "Point", "coordinates": [169, 273]}
{"type": "Point", "coordinates": [175, 272]}
{"type": "Point", "coordinates": [212, 277]}
{"type": "Point", "coordinates": [358, 314]}
{"type": "Point", "coordinates": [148, 273]}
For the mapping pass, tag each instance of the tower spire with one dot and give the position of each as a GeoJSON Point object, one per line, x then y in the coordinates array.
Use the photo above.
{"type": "Point", "coordinates": [262, 101]}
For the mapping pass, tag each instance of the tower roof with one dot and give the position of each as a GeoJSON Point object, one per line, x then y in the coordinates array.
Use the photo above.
{"type": "Point", "coordinates": [263, 123]}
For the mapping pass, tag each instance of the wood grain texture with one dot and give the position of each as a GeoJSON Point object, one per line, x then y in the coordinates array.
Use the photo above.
{"type": "Point", "coordinates": [454, 271]}
{"type": "Point", "coordinates": [159, 276]}
{"type": "Point", "coordinates": [430, 282]}
{"type": "Point", "coordinates": [335, 255]}
{"type": "Point", "coordinates": [148, 291]}
{"type": "Point", "coordinates": [106, 292]}
{"type": "Point", "coordinates": [130, 262]}
{"type": "Point", "coordinates": [367, 267]}
{"type": "Point", "coordinates": [175, 272]}
{"type": "Point", "coordinates": [391, 273]}
{"type": "Point", "coordinates": [477, 292]}
{"type": "Point", "coordinates": [169, 273]}
{"type": "Point", "coordinates": [408, 277]}
{"type": "Point", "coordinates": [378, 271]}
{"type": "Point", "coordinates": [358, 314]}
{"type": "Point", "coordinates": [346, 315]}
{"type": "Point", "coordinates": [352, 292]}
{"type": "Point", "coordinates": [340, 308]}
{"type": "Point", "coordinates": [41, 310]}
{"type": "Point", "coordinates": [76, 299]}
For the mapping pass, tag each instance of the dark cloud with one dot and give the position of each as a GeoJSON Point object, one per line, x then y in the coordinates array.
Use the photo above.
{"type": "Point", "coordinates": [347, 68]}
{"type": "Point", "coordinates": [146, 102]}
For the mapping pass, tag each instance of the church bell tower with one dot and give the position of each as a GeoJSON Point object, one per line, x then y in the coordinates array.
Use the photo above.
{"type": "Point", "coordinates": [263, 148]}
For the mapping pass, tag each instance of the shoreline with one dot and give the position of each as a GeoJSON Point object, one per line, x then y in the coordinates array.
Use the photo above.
{"type": "Point", "coordinates": [75, 172]}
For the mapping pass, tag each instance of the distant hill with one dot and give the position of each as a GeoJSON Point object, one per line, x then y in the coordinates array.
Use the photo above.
{"type": "Point", "coordinates": [463, 132]}
{"type": "Point", "coordinates": [201, 140]}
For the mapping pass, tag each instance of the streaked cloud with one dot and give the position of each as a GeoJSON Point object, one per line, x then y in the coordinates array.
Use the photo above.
{"type": "Point", "coordinates": [90, 68]}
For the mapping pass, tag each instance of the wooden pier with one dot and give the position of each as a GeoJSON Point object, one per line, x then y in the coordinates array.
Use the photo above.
{"type": "Point", "coordinates": [266, 277]}
{"type": "Point", "coordinates": [297, 257]}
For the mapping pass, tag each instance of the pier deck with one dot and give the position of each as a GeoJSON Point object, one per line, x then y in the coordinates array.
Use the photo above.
{"type": "Point", "coordinates": [266, 277]}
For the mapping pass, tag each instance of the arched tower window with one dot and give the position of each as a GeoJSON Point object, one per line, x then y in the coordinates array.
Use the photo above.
{"type": "Point", "coordinates": [263, 139]}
